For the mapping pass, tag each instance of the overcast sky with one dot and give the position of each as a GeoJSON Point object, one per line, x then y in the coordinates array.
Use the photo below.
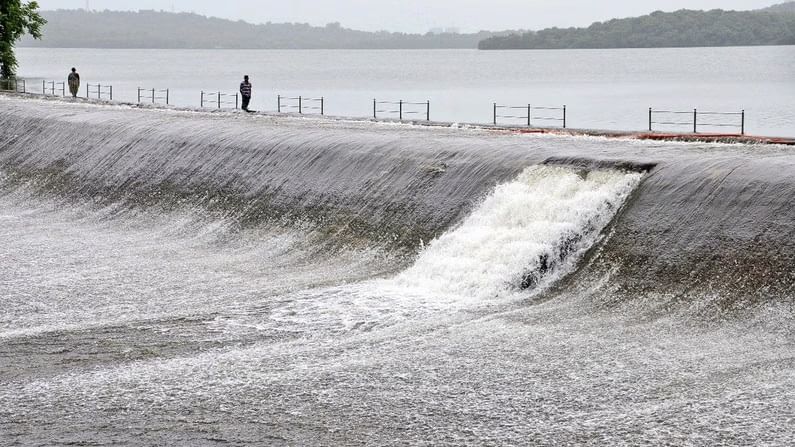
{"type": "Point", "coordinates": [419, 15]}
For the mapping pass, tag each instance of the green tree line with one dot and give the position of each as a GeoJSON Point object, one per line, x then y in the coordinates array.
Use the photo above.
{"type": "Point", "coordinates": [684, 28]}
{"type": "Point", "coordinates": [158, 29]}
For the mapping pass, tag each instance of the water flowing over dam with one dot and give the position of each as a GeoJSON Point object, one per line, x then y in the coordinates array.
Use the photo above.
{"type": "Point", "coordinates": [189, 278]}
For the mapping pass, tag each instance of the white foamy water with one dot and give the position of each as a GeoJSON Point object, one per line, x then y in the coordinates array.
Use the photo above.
{"type": "Point", "coordinates": [532, 229]}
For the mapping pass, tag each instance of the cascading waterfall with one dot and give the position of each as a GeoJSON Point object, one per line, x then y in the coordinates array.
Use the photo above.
{"type": "Point", "coordinates": [526, 232]}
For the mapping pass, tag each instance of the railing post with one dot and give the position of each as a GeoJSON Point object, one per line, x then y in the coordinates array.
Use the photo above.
{"type": "Point", "coordinates": [201, 103]}
{"type": "Point", "coordinates": [564, 116]}
{"type": "Point", "coordinates": [375, 109]}
{"type": "Point", "coordinates": [219, 100]}
{"type": "Point", "coordinates": [428, 110]}
{"type": "Point", "coordinates": [650, 119]}
{"type": "Point", "coordinates": [300, 106]}
{"type": "Point", "coordinates": [63, 89]}
{"type": "Point", "coordinates": [237, 106]}
{"type": "Point", "coordinates": [167, 96]}
{"type": "Point", "coordinates": [111, 93]}
{"type": "Point", "coordinates": [695, 120]}
{"type": "Point", "coordinates": [278, 103]}
{"type": "Point", "coordinates": [742, 122]}
{"type": "Point", "coordinates": [401, 110]}
{"type": "Point", "coordinates": [322, 106]}
{"type": "Point", "coordinates": [529, 114]}
{"type": "Point", "coordinates": [495, 113]}
{"type": "Point", "coordinates": [153, 96]}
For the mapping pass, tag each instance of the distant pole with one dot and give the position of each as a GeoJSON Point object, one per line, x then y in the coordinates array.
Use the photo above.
{"type": "Point", "coordinates": [279, 103]}
{"type": "Point", "coordinates": [322, 105]}
{"type": "Point", "coordinates": [650, 119]}
{"type": "Point", "coordinates": [564, 116]}
{"type": "Point", "coordinates": [201, 104]}
{"type": "Point", "coordinates": [495, 113]}
{"type": "Point", "coordinates": [742, 123]}
{"type": "Point", "coordinates": [236, 101]}
{"type": "Point", "coordinates": [167, 96]}
{"type": "Point", "coordinates": [153, 96]}
{"type": "Point", "coordinates": [428, 110]}
{"type": "Point", "coordinates": [219, 100]}
{"type": "Point", "coordinates": [400, 111]}
{"type": "Point", "coordinates": [111, 93]}
{"type": "Point", "coordinates": [529, 114]}
{"type": "Point", "coordinates": [695, 120]}
{"type": "Point", "coordinates": [375, 109]}
{"type": "Point", "coordinates": [300, 105]}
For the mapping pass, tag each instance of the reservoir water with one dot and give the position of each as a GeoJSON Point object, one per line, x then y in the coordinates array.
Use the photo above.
{"type": "Point", "coordinates": [603, 89]}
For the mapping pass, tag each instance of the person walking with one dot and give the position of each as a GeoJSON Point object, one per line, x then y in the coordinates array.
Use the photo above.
{"type": "Point", "coordinates": [74, 82]}
{"type": "Point", "coordinates": [245, 92]}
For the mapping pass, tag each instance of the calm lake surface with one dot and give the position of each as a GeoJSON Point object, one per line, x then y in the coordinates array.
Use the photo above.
{"type": "Point", "coordinates": [607, 89]}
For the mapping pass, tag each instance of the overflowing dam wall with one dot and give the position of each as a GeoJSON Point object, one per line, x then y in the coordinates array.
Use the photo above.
{"type": "Point", "coordinates": [711, 224]}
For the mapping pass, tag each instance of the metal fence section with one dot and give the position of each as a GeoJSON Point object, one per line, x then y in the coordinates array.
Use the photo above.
{"type": "Point", "coordinates": [529, 113]}
{"type": "Point", "coordinates": [13, 85]}
{"type": "Point", "coordinates": [219, 100]}
{"type": "Point", "coordinates": [99, 91]}
{"type": "Point", "coordinates": [403, 108]}
{"type": "Point", "coordinates": [53, 88]}
{"type": "Point", "coordinates": [697, 119]}
{"type": "Point", "coordinates": [301, 104]}
{"type": "Point", "coordinates": [153, 95]}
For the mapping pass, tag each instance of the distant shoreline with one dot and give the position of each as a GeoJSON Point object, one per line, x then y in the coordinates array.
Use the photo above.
{"type": "Point", "coordinates": [147, 29]}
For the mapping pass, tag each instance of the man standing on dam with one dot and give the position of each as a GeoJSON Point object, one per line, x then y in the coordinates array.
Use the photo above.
{"type": "Point", "coordinates": [74, 82]}
{"type": "Point", "coordinates": [245, 92]}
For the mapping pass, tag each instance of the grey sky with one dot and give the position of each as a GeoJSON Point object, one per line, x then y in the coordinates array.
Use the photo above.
{"type": "Point", "coordinates": [419, 15]}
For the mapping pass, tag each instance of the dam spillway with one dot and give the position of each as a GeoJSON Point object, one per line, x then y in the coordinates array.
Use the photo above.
{"type": "Point", "coordinates": [208, 278]}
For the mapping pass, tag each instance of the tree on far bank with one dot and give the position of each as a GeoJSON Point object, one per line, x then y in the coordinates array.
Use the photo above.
{"type": "Point", "coordinates": [16, 20]}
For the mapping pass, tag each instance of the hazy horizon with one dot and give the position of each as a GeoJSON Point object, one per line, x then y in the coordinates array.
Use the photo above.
{"type": "Point", "coordinates": [415, 15]}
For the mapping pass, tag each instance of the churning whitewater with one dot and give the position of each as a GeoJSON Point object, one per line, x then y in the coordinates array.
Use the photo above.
{"type": "Point", "coordinates": [180, 278]}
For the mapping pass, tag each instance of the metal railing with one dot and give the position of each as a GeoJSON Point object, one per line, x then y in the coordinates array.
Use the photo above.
{"type": "Point", "coordinates": [691, 118]}
{"type": "Point", "coordinates": [531, 113]}
{"type": "Point", "coordinates": [99, 91]}
{"type": "Point", "coordinates": [53, 88]}
{"type": "Point", "coordinates": [153, 95]}
{"type": "Point", "coordinates": [219, 99]}
{"type": "Point", "coordinates": [404, 108]}
{"type": "Point", "coordinates": [13, 85]}
{"type": "Point", "coordinates": [297, 103]}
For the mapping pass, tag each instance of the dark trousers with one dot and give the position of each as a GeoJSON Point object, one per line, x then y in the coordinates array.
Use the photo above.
{"type": "Point", "coordinates": [246, 100]}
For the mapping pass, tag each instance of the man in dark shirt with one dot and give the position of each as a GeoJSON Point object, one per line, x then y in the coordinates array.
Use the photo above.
{"type": "Point", "coordinates": [74, 82]}
{"type": "Point", "coordinates": [245, 92]}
